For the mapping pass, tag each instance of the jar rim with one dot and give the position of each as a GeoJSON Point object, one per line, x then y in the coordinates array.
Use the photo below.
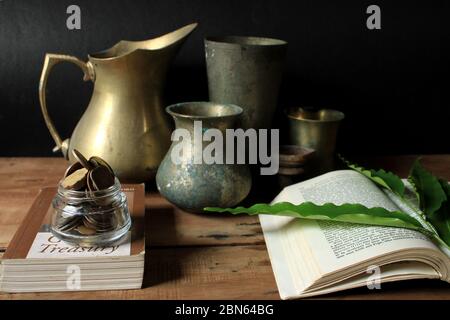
{"type": "Point", "coordinates": [84, 195]}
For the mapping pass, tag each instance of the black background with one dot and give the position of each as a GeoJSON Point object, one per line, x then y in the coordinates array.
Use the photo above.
{"type": "Point", "coordinates": [393, 84]}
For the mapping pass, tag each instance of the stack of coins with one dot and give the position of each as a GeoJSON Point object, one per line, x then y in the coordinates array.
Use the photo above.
{"type": "Point", "coordinates": [90, 176]}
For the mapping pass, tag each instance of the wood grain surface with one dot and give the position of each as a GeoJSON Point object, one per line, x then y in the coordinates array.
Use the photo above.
{"type": "Point", "coordinates": [194, 256]}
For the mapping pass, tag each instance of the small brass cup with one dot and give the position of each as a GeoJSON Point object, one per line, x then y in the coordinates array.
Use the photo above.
{"type": "Point", "coordinates": [316, 129]}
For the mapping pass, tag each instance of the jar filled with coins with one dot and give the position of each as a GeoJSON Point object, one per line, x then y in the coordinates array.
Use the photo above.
{"type": "Point", "coordinates": [90, 207]}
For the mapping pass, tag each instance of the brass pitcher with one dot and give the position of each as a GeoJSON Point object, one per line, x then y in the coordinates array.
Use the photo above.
{"type": "Point", "coordinates": [125, 122]}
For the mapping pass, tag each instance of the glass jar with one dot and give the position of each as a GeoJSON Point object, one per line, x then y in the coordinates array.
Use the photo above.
{"type": "Point", "coordinates": [91, 218]}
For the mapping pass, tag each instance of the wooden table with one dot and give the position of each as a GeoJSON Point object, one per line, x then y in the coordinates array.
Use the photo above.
{"type": "Point", "coordinates": [191, 256]}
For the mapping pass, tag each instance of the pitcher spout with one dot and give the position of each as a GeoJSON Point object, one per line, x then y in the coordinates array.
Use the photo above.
{"type": "Point", "coordinates": [125, 47]}
{"type": "Point", "coordinates": [167, 40]}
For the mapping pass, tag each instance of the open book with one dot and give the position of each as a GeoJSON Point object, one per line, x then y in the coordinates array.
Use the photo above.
{"type": "Point", "coordinates": [317, 257]}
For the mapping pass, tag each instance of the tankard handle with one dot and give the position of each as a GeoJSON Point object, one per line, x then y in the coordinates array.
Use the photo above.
{"type": "Point", "coordinates": [51, 60]}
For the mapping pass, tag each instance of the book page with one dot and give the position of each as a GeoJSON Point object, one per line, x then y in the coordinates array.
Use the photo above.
{"type": "Point", "coordinates": [405, 270]}
{"type": "Point", "coordinates": [338, 245]}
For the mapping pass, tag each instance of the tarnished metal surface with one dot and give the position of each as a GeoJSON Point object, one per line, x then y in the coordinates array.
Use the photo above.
{"type": "Point", "coordinates": [246, 71]}
{"type": "Point", "coordinates": [193, 186]}
{"type": "Point", "coordinates": [316, 130]}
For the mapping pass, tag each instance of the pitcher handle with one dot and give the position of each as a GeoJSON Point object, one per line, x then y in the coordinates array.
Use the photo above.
{"type": "Point", "coordinates": [51, 60]}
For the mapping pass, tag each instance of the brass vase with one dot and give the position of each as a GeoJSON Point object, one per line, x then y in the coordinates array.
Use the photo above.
{"type": "Point", "coordinates": [125, 122]}
{"type": "Point", "coordinates": [193, 186]}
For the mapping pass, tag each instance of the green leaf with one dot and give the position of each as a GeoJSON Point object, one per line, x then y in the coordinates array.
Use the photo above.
{"type": "Point", "coordinates": [445, 187]}
{"type": "Point", "coordinates": [440, 219]}
{"type": "Point", "coordinates": [383, 178]}
{"type": "Point", "coordinates": [429, 189]}
{"type": "Point", "coordinates": [349, 213]}
{"type": "Point", "coordinates": [414, 189]}
{"type": "Point", "coordinates": [353, 213]}
{"type": "Point", "coordinates": [434, 199]}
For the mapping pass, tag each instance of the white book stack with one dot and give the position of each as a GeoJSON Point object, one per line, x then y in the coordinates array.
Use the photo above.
{"type": "Point", "coordinates": [37, 261]}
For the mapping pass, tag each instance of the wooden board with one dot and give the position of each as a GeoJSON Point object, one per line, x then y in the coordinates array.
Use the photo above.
{"type": "Point", "coordinates": [222, 257]}
{"type": "Point", "coordinates": [169, 226]}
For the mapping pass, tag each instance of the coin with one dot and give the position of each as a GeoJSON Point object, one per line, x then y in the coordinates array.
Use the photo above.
{"type": "Point", "coordinates": [81, 159]}
{"type": "Point", "coordinates": [100, 222]}
{"type": "Point", "coordinates": [101, 178]}
{"type": "Point", "coordinates": [76, 180]}
{"type": "Point", "coordinates": [97, 161]}
{"type": "Point", "coordinates": [97, 212]}
{"type": "Point", "coordinates": [74, 167]}
{"type": "Point", "coordinates": [69, 223]}
{"type": "Point", "coordinates": [90, 183]}
{"type": "Point", "coordinates": [86, 231]}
